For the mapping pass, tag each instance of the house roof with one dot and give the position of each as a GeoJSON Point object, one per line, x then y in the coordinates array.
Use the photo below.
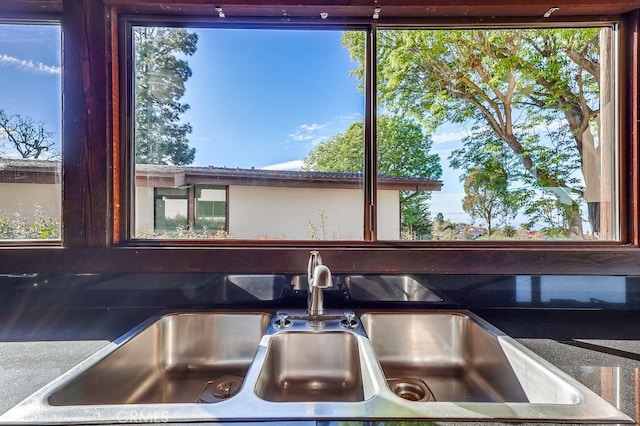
{"type": "Point", "coordinates": [47, 171]}
{"type": "Point", "coordinates": [154, 175]}
{"type": "Point", "coordinates": [30, 171]}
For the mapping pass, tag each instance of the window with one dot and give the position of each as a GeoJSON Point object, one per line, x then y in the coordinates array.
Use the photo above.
{"type": "Point", "coordinates": [272, 116]}
{"type": "Point", "coordinates": [30, 128]}
{"type": "Point", "coordinates": [191, 211]}
{"type": "Point", "coordinates": [171, 207]}
{"type": "Point", "coordinates": [481, 133]}
{"type": "Point", "coordinates": [518, 123]}
{"type": "Point", "coordinates": [211, 208]}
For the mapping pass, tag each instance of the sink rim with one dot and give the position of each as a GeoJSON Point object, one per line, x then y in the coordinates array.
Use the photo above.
{"type": "Point", "coordinates": [384, 404]}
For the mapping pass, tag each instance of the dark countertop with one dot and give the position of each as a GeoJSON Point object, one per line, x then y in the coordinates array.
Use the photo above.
{"type": "Point", "coordinates": [599, 348]}
{"type": "Point", "coordinates": [37, 346]}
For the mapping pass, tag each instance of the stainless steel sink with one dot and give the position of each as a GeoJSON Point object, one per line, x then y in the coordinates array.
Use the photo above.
{"type": "Point", "coordinates": [452, 357]}
{"type": "Point", "coordinates": [252, 366]}
{"type": "Point", "coordinates": [307, 366]}
{"type": "Point", "coordinates": [187, 357]}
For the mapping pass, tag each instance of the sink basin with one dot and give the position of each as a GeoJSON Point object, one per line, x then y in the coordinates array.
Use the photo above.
{"type": "Point", "coordinates": [188, 357]}
{"type": "Point", "coordinates": [452, 357]}
{"type": "Point", "coordinates": [311, 367]}
{"type": "Point", "coordinates": [251, 367]}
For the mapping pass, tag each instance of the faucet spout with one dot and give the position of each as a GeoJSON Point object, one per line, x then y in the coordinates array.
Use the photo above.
{"type": "Point", "coordinates": [319, 277]}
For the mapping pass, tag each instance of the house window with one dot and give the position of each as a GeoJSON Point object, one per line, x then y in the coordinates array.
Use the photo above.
{"type": "Point", "coordinates": [194, 211]}
{"type": "Point", "coordinates": [170, 214]}
{"type": "Point", "coordinates": [478, 133]}
{"type": "Point", "coordinates": [30, 131]}
{"type": "Point", "coordinates": [211, 209]}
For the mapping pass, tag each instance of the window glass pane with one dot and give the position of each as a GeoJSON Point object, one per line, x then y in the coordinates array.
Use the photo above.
{"type": "Point", "coordinates": [30, 129]}
{"type": "Point", "coordinates": [211, 209]}
{"type": "Point", "coordinates": [171, 207]}
{"type": "Point", "coordinates": [517, 123]}
{"type": "Point", "coordinates": [263, 126]}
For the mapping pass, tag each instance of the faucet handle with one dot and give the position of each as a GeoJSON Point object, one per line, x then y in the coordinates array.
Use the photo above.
{"type": "Point", "coordinates": [349, 320]}
{"type": "Point", "coordinates": [283, 320]}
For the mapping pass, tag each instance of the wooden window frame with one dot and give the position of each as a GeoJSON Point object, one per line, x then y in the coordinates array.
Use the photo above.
{"type": "Point", "coordinates": [94, 197]}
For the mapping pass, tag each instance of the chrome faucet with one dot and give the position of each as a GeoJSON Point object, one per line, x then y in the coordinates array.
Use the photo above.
{"type": "Point", "coordinates": [319, 277]}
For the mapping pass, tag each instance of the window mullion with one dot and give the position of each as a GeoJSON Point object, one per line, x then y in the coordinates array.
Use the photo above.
{"type": "Point", "coordinates": [370, 151]}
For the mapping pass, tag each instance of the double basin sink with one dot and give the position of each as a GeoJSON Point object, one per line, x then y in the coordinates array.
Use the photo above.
{"type": "Point", "coordinates": [249, 366]}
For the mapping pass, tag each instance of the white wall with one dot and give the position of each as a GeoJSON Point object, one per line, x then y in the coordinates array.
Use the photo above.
{"type": "Point", "coordinates": [144, 209]}
{"type": "Point", "coordinates": [296, 213]}
{"type": "Point", "coordinates": [21, 199]}
{"type": "Point", "coordinates": [388, 215]}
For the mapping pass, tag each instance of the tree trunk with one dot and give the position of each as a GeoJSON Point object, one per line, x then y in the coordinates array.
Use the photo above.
{"type": "Point", "coordinates": [574, 219]}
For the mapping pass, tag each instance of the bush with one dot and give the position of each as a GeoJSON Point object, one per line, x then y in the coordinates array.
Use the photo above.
{"type": "Point", "coordinates": [16, 227]}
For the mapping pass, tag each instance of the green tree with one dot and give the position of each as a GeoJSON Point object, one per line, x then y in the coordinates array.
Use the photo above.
{"type": "Point", "coordinates": [548, 213]}
{"type": "Point", "coordinates": [507, 81]}
{"type": "Point", "coordinates": [160, 76]}
{"type": "Point", "coordinates": [26, 137]}
{"type": "Point", "coordinates": [487, 196]}
{"type": "Point", "coordinates": [342, 153]}
{"type": "Point", "coordinates": [403, 150]}
{"type": "Point", "coordinates": [439, 219]}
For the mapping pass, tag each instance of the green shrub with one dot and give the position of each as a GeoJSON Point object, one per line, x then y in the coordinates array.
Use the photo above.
{"type": "Point", "coordinates": [16, 227]}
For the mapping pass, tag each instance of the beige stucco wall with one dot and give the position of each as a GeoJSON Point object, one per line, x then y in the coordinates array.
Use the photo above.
{"type": "Point", "coordinates": [144, 209]}
{"type": "Point", "coordinates": [21, 199]}
{"type": "Point", "coordinates": [303, 213]}
{"type": "Point", "coordinates": [388, 215]}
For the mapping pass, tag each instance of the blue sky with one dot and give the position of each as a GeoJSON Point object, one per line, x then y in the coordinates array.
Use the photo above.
{"type": "Point", "coordinates": [261, 98]}
{"type": "Point", "coordinates": [30, 73]}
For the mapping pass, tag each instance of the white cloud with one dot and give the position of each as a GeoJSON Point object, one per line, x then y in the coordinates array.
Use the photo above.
{"type": "Point", "coordinates": [312, 127]}
{"type": "Point", "coordinates": [313, 133]}
{"type": "Point", "coordinates": [288, 165]}
{"type": "Point", "coordinates": [443, 138]}
{"type": "Point", "coordinates": [349, 118]}
{"type": "Point", "coordinates": [37, 67]}
{"type": "Point", "coordinates": [308, 132]}
{"type": "Point", "coordinates": [316, 133]}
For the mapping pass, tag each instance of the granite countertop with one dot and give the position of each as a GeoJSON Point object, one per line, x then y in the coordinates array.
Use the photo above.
{"type": "Point", "coordinates": [599, 348]}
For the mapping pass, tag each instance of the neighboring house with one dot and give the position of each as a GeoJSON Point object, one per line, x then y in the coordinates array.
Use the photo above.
{"type": "Point", "coordinates": [244, 203]}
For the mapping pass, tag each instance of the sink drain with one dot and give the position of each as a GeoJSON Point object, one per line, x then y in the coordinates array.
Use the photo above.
{"type": "Point", "coordinates": [220, 389]}
{"type": "Point", "coordinates": [411, 389]}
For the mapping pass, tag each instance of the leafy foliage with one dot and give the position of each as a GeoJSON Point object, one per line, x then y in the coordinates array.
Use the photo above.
{"type": "Point", "coordinates": [160, 76]}
{"type": "Point", "coordinates": [517, 85]}
{"type": "Point", "coordinates": [18, 227]}
{"type": "Point", "coordinates": [487, 196]}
